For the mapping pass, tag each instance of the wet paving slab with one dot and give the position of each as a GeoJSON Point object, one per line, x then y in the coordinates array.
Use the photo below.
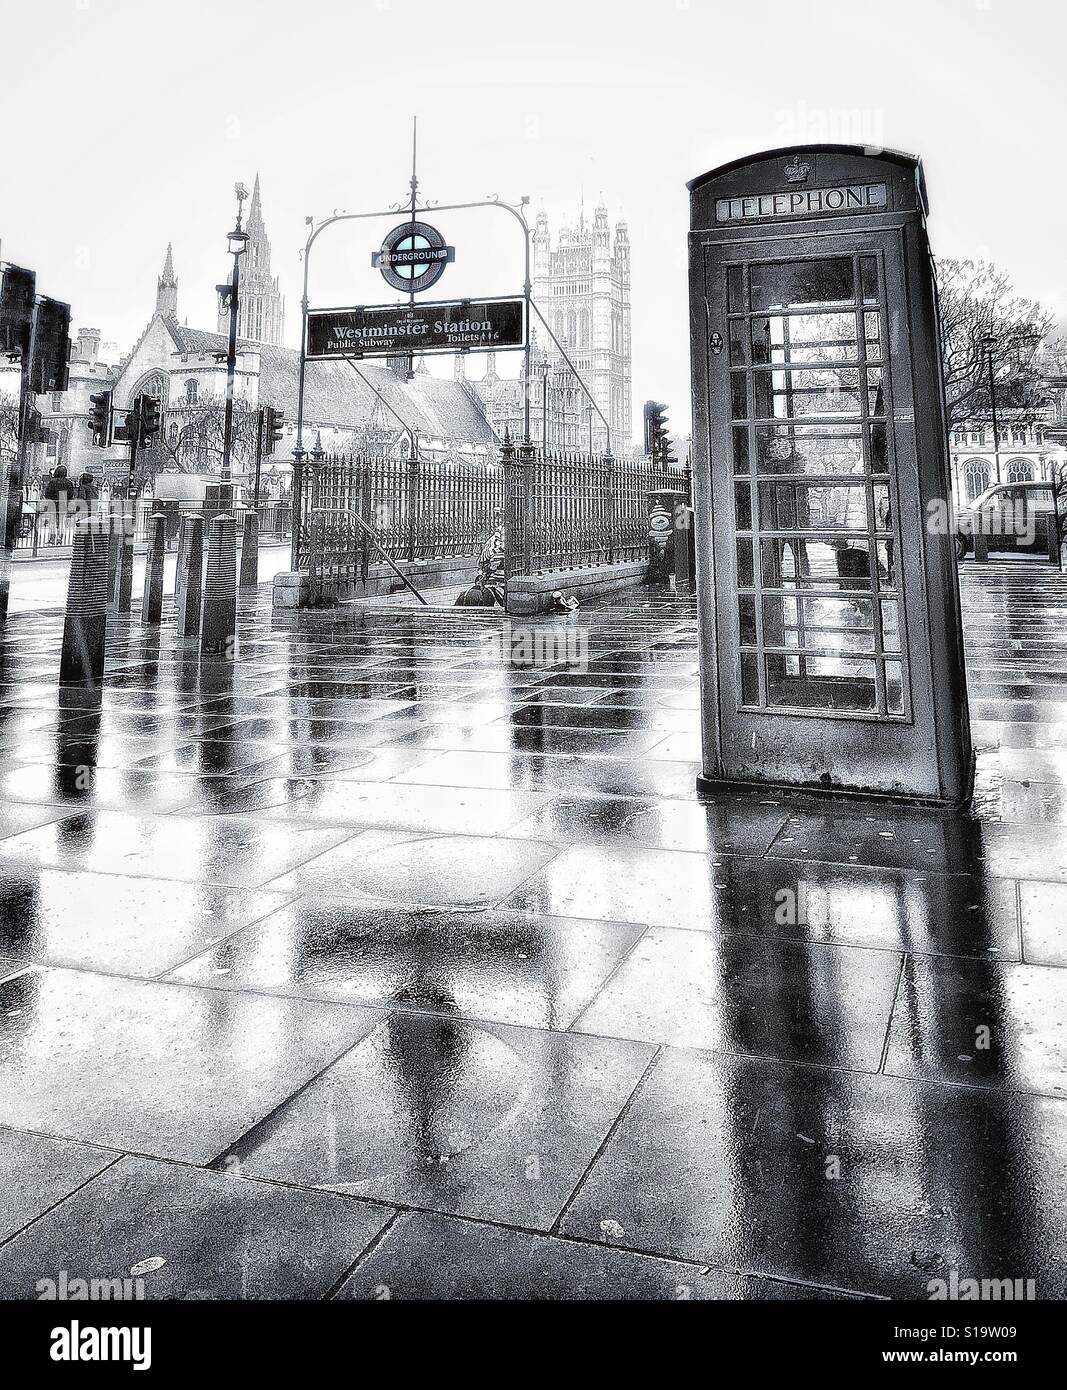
{"type": "Point", "coordinates": [187, 1233]}
{"type": "Point", "coordinates": [473, 1119]}
{"type": "Point", "coordinates": [401, 967]}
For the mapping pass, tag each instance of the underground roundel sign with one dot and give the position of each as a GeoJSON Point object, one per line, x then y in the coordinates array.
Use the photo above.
{"type": "Point", "coordinates": [413, 257]}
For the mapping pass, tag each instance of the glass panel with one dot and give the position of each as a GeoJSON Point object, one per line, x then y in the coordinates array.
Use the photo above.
{"type": "Point", "coordinates": [738, 396]}
{"type": "Point", "coordinates": [809, 449]}
{"type": "Point", "coordinates": [742, 507]}
{"type": "Point", "coordinates": [890, 627]}
{"type": "Point", "coordinates": [740, 448]}
{"type": "Point", "coordinates": [801, 338]}
{"type": "Point", "coordinates": [811, 507]}
{"type": "Point", "coordinates": [744, 563]}
{"type": "Point", "coordinates": [794, 393]}
{"type": "Point", "coordinates": [737, 342]}
{"type": "Point", "coordinates": [735, 289]}
{"type": "Point", "coordinates": [872, 331]}
{"type": "Point", "coordinates": [819, 682]}
{"type": "Point", "coordinates": [875, 396]}
{"type": "Point", "coordinates": [869, 279]}
{"type": "Point", "coordinates": [797, 284]}
{"type": "Point", "coordinates": [747, 615]}
{"type": "Point", "coordinates": [750, 678]}
{"type": "Point", "coordinates": [894, 687]}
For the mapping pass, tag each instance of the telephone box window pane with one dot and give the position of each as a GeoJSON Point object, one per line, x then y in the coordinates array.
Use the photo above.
{"type": "Point", "coordinates": [798, 393]}
{"type": "Point", "coordinates": [831, 449]}
{"type": "Point", "coordinates": [869, 279]}
{"type": "Point", "coordinates": [879, 449]}
{"type": "Point", "coordinates": [743, 506]}
{"type": "Point", "coordinates": [738, 396]}
{"type": "Point", "coordinates": [750, 678]}
{"type": "Point", "coordinates": [890, 626]}
{"type": "Point", "coordinates": [872, 331]}
{"type": "Point", "coordinates": [875, 394]}
{"type": "Point", "coordinates": [737, 342]}
{"type": "Point", "coordinates": [746, 608]}
{"type": "Point", "coordinates": [894, 687]}
{"type": "Point", "coordinates": [744, 563]}
{"type": "Point", "coordinates": [811, 338]}
{"type": "Point", "coordinates": [812, 507]}
{"type": "Point", "coordinates": [761, 342]}
{"type": "Point", "coordinates": [740, 448]}
{"type": "Point", "coordinates": [800, 284]}
{"type": "Point", "coordinates": [828, 683]}
{"type": "Point", "coordinates": [887, 575]}
{"type": "Point", "coordinates": [735, 280]}
{"type": "Point", "coordinates": [883, 518]}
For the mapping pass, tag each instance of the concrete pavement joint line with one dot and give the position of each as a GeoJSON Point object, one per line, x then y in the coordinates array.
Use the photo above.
{"type": "Point", "coordinates": [370, 1248]}
{"type": "Point", "coordinates": [613, 1129]}
{"type": "Point", "coordinates": [6, 1240]}
{"type": "Point", "coordinates": [231, 1149]}
{"type": "Point", "coordinates": [892, 1011]}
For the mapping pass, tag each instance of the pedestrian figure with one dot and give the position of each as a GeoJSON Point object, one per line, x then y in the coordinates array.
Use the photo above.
{"type": "Point", "coordinates": [57, 497]}
{"type": "Point", "coordinates": [87, 494]}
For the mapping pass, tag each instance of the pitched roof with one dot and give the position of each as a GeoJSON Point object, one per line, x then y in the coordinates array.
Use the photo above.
{"type": "Point", "coordinates": [335, 395]}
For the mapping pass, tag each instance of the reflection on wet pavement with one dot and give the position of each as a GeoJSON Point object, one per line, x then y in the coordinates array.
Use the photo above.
{"type": "Point", "coordinates": [370, 919]}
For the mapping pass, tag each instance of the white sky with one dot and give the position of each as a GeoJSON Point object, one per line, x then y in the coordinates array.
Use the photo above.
{"type": "Point", "coordinates": [124, 124]}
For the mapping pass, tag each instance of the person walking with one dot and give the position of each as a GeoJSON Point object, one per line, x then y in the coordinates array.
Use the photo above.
{"type": "Point", "coordinates": [57, 497]}
{"type": "Point", "coordinates": [87, 494]}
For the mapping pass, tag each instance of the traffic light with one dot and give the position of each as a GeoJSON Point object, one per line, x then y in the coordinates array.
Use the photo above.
{"type": "Point", "coordinates": [51, 346]}
{"type": "Point", "coordinates": [657, 440]}
{"type": "Point", "coordinates": [100, 418]}
{"type": "Point", "coordinates": [148, 418]}
{"type": "Point", "coordinates": [273, 424]}
{"type": "Point", "coordinates": [36, 433]}
{"type": "Point", "coordinates": [16, 308]}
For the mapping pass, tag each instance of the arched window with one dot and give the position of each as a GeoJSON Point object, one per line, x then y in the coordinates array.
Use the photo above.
{"type": "Point", "coordinates": [571, 327]}
{"type": "Point", "coordinates": [975, 478]}
{"type": "Point", "coordinates": [583, 329]}
{"type": "Point", "coordinates": [1020, 471]}
{"type": "Point", "coordinates": [192, 391]}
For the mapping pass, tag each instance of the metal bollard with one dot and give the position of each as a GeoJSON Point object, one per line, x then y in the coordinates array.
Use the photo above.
{"type": "Point", "coordinates": [188, 586]}
{"type": "Point", "coordinates": [85, 625]}
{"type": "Point", "coordinates": [152, 598]}
{"type": "Point", "coordinates": [122, 593]}
{"type": "Point", "coordinates": [250, 551]}
{"type": "Point", "coordinates": [219, 620]}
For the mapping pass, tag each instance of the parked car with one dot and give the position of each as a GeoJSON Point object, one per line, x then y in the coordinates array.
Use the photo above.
{"type": "Point", "coordinates": [1011, 515]}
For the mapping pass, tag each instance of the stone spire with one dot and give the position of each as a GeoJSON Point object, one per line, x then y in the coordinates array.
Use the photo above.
{"type": "Point", "coordinates": [261, 312]}
{"type": "Point", "coordinates": [167, 287]}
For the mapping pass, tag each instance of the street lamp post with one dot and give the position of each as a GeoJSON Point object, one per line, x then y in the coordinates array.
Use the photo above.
{"type": "Point", "coordinates": [237, 244]}
{"type": "Point", "coordinates": [989, 344]}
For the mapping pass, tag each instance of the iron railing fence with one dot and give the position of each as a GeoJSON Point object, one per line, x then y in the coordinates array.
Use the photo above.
{"type": "Point", "coordinates": [563, 510]}
{"type": "Point", "coordinates": [571, 510]}
{"type": "Point", "coordinates": [417, 509]}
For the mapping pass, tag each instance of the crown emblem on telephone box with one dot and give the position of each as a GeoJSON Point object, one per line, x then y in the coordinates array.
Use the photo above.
{"type": "Point", "coordinates": [796, 172]}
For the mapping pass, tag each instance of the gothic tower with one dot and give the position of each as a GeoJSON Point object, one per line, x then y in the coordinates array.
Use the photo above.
{"type": "Point", "coordinates": [167, 288]}
{"type": "Point", "coordinates": [261, 311]}
{"type": "Point", "coordinates": [582, 287]}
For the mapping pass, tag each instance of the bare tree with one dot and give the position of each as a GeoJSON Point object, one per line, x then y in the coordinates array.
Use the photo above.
{"type": "Point", "coordinates": [197, 445]}
{"type": "Point", "coordinates": [9, 424]}
{"type": "Point", "coordinates": [977, 304]}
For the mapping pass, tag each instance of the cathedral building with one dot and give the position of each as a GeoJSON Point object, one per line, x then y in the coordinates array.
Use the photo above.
{"type": "Point", "coordinates": [261, 310]}
{"type": "Point", "coordinates": [582, 287]}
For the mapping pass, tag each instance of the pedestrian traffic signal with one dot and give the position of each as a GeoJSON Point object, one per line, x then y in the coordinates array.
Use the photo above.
{"type": "Point", "coordinates": [100, 418]}
{"type": "Point", "coordinates": [149, 418]}
{"type": "Point", "coordinates": [274, 423]}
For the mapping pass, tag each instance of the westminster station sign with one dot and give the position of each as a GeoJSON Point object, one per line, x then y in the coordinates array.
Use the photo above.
{"type": "Point", "coordinates": [387, 330]}
{"type": "Point", "coordinates": [805, 202]}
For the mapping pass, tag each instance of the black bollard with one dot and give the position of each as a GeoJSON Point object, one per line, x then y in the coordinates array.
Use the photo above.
{"type": "Point", "coordinates": [219, 621]}
{"type": "Point", "coordinates": [85, 625]}
{"type": "Point", "coordinates": [189, 583]}
{"type": "Point", "coordinates": [122, 593]}
{"type": "Point", "coordinates": [250, 551]}
{"type": "Point", "coordinates": [152, 598]}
